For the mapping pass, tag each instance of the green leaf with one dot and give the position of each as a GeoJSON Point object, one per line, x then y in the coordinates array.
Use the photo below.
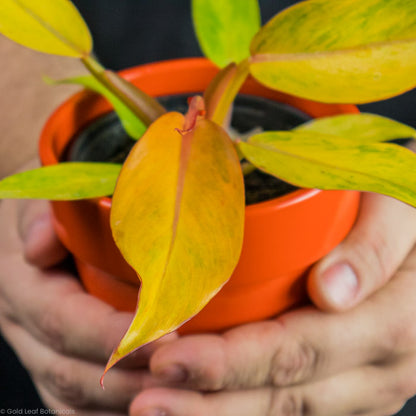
{"type": "Point", "coordinates": [64, 181]}
{"type": "Point", "coordinates": [225, 28]}
{"type": "Point", "coordinates": [177, 217]}
{"type": "Point", "coordinates": [359, 128]}
{"type": "Point", "coordinates": [51, 26]}
{"type": "Point", "coordinates": [131, 123]}
{"type": "Point", "coordinates": [312, 160]}
{"type": "Point", "coordinates": [351, 51]}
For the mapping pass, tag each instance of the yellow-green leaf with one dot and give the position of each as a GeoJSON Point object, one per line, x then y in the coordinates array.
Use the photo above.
{"type": "Point", "coordinates": [131, 123]}
{"type": "Point", "coordinates": [313, 160]}
{"type": "Point", "coordinates": [351, 51]}
{"type": "Point", "coordinates": [360, 128]}
{"type": "Point", "coordinates": [225, 28]}
{"type": "Point", "coordinates": [177, 217]}
{"type": "Point", "coordinates": [51, 26]}
{"type": "Point", "coordinates": [65, 181]}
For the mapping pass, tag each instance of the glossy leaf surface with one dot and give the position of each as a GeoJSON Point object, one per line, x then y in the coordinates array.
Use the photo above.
{"type": "Point", "coordinates": [359, 128]}
{"type": "Point", "coordinates": [351, 51]}
{"type": "Point", "coordinates": [51, 26]}
{"type": "Point", "coordinates": [222, 91]}
{"type": "Point", "coordinates": [217, 87]}
{"type": "Point", "coordinates": [131, 123]}
{"type": "Point", "coordinates": [177, 217]}
{"type": "Point", "coordinates": [313, 160]}
{"type": "Point", "coordinates": [65, 181]}
{"type": "Point", "coordinates": [225, 28]}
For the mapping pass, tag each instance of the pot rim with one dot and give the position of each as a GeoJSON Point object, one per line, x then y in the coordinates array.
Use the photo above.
{"type": "Point", "coordinates": [49, 156]}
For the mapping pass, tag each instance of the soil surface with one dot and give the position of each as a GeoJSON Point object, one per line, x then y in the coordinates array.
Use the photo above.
{"type": "Point", "coordinates": [106, 141]}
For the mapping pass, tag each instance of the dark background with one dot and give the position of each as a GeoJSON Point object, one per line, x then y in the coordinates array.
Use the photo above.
{"type": "Point", "coordinates": [131, 32]}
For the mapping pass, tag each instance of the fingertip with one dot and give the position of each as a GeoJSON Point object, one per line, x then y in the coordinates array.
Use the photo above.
{"type": "Point", "coordinates": [147, 403]}
{"type": "Point", "coordinates": [186, 350]}
{"type": "Point", "coordinates": [164, 358]}
{"type": "Point", "coordinates": [41, 246]}
{"type": "Point", "coordinates": [333, 287]}
{"type": "Point", "coordinates": [197, 361]}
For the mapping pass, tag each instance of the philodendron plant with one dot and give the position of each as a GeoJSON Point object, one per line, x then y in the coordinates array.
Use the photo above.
{"type": "Point", "coordinates": [178, 206]}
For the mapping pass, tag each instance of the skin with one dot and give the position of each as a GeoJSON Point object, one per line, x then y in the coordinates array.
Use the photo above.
{"type": "Point", "coordinates": [62, 335]}
{"type": "Point", "coordinates": [359, 359]}
{"type": "Point", "coordinates": [356, 359]}
{"type": "Point", "coordinates": [351, 354]}
{"type": "Point", "coordinates": [27, 101]}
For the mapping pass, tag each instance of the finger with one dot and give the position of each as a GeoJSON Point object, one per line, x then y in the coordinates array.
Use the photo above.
{"type": "Point", "coordinates": [54, 307]}
{"type": "Point", "coordinates": [384, 234]}
{"type": "Point", "coordinates": [299, 347]}
{"type": "Point", "coordinates": [366, 391]}
{"type": "Point", "coordinates": [41, 246]}
{"type": "Point", "coordinates": [270, 353]}
{"type": "Point", "coordinates": [73, 381]}
{"type": "Point", "coordinates": [58, 407]}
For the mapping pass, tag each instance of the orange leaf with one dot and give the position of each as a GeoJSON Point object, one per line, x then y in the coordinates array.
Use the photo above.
{"type": "Point", "coordinates": [221, 92]}
{"type": "Point", "coordinates": [177, 217]}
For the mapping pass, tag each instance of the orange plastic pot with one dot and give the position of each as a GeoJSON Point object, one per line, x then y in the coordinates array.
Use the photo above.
{"type": "Point", "coordinates": [283, 237]}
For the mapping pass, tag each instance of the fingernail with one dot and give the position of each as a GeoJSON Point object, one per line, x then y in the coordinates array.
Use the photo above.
{"type": "Point", "coordinates": [152, 412]}
{"type": "Point", "coordinates": [173, 373]}
{"type": "Point", "coordinates": [341, 284]}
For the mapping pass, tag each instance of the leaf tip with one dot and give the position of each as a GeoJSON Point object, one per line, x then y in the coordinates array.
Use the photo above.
{"type": "Point", "coordinates": [102, 381]}
{"type": "Point", "coordinates": [112, 361]}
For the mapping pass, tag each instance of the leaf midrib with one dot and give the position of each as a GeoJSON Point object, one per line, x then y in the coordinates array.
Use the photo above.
{"type": "Point", "coordinates": [48, 27]}
{"type": "Point", "coordinates": [325, 164]}
{"type": "Point", "coordinates": [184, 157]}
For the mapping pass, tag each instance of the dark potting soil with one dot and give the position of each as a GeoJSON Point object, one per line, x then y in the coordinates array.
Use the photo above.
{"type": "Point", "coordinates": [105, 140]}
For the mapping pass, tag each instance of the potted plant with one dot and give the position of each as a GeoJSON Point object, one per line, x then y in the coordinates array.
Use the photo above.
{"type": "Point", "coordinates": [178, 211]}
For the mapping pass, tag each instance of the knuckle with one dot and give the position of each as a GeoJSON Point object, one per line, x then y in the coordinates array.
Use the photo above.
{"type": "Point", "coordinates": [372, 252]}
{"type": "Point", "coordinates": [51, 329]}
{"type": "Point", "coordinates": [393, 409]}
{"type": "Point", "coordinates": [214, 373]}
{"type": "Point", "coordinates": [292, 363]}
{"type": "Point", "coordinates": [210, 378]}
{"type": "Point", "coordinates": [3, 302]}
{"type": "Point", "coordinates": [286, 403]}
{"type": "Point", "coordinates": [7, 307]}
{"type": "Point", "coordinates": [64, 383]}
{"type": "Point", "coordinates": [404, 387]}
{"type": "Point", "coordinates": [5, 311]}
{"type": "Point", "coordinates": [399, 337]}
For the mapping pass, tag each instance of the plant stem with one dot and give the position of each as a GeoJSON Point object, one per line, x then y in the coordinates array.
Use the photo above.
{"type": "Point", "coordinates": [145, 107]}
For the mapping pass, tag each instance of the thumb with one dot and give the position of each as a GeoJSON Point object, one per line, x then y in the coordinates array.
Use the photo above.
{"type": "Point", "coordinates": [379, 242]}
{"type": "Point", "coordinates": [41, 246]}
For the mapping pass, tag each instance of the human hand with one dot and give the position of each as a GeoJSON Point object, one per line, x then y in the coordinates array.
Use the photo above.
{"type": "Point", "coordinates": [360, 361]}
{"type": "Point", "coordinates": [62, 335]}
